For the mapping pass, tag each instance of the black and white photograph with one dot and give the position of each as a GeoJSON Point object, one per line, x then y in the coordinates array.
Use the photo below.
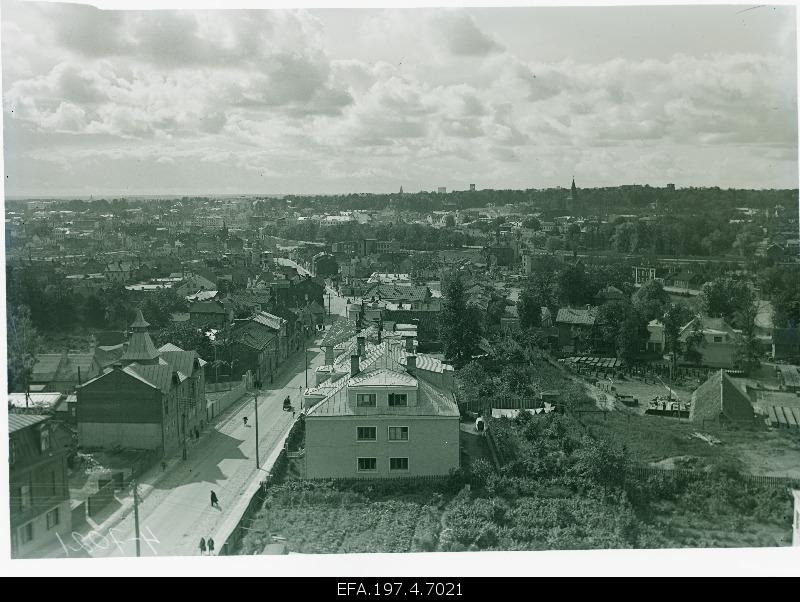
{"type": "Point", "coordinates": [451, 287]}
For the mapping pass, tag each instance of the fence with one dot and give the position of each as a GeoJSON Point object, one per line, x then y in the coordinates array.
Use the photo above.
{"type": "Point", "coordinates": [223, 402]}
{"type": "Point", "coordinates": [233, 541]}
{"type": "Point", "coordinates": [101, 499]}
{"type": "Point", "coordinates": [651, 471]}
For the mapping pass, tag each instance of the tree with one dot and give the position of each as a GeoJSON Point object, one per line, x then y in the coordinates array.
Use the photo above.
{"type": "Point", "coordinates": [460, 325]}
{"type": "Point", "coordinates": [23, 346]}
{"type": "Point", "coordinates": [726, 298]}
{"type": "Point", "coordinates": [779, 284]}
{"type": "Point", "coordinates": [748, 347]}
{"type": "Point", "coordinates": [651, 299]}
{"type": "Point", "coordinates": [450, 221]}
{"type": "Point", "coordinates": [676, 316]}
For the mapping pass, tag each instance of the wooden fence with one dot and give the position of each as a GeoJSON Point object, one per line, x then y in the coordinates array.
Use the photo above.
{"type": "Point", "coordinates": [651, 471]}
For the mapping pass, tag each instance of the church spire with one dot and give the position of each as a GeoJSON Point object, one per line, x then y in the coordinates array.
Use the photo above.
{"type": "Point", "coordinates": [141, 349]}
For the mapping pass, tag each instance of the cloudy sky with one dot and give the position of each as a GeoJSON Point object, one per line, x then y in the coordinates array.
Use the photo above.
{"type": "Point", "coordinates": [112, 102]}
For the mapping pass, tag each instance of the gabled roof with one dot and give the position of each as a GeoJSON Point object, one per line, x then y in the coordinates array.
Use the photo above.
{"type": "Point", "coordinates": [181, 361]}
{"type": "Point", "coordinates": [158, 376]}
{"type": "Point", "coordinates": [720, 396]}
{"type": "Point", "coordinates": [708, 325]}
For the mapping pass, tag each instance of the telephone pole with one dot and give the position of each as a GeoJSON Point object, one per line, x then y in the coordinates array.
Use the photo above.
{"type": "Point", "coordinates": [136, 517]}
{"type": "Point", "coordinates": [255, 405]}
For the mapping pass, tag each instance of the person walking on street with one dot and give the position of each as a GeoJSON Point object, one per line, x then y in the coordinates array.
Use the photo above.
{"type": "Point", "coordinates": [202, 546]}
{"type": "Point", "coordinates": [245, 420]}
{"type": "Point", "coordinates": [214, 500]}
{"type": "Point", "coordinates": [210, 546]}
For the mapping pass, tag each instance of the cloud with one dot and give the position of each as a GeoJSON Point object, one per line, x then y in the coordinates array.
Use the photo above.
{"type": "Point", "coordinates": [462, 35]}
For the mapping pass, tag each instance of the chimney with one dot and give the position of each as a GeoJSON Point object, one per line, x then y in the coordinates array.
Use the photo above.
{"type": "Point", "coordinates": [379, 335]}
{"type": "Point", "coordinates": [361, 341]}
{"type": "Point", "coordinates": [355, 365]}
{"type": "Point", "coordinates": [411, 363]}
{"type": "Point", "coordinates": [409, 343]}
{"type": "Point", "coordinates": [117, 365]}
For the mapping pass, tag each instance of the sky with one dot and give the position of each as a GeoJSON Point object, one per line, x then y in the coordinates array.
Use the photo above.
{"type": "Point", "coordinates": [109, 102]}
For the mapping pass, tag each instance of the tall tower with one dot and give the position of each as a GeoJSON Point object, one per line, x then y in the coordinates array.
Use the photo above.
{"type": "Point", "coordinates": [141, 349]}
{"type": "Point", "coordinates": [574, 190]}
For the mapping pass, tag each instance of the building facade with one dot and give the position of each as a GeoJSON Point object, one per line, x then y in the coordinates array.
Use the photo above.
{"type": "Point", "coordinates": [381, 417]}
{"type": "Point", "coordinates": [40, 502]}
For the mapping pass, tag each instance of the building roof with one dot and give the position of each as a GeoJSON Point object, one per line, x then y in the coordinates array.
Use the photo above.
{"type": "Point", "coordinates": [382, 378]}
{"type": "Point", "coordinates": [610, 293]}
{"type": "Point", "coordinates": [271, 321]}
{"type": "Point", "coordinates": [568, 315]}
{"type": "Point", "coordinates": [395, 292]}
{"type": "Point", "coordinates": [140, 348]}
{"type": "Point", "coordinates": [42, 401]}
{"type": "Point", "coordinates": [253, 334]}
{"type": "Point", "coordinates": [384, 358]}
{"type": "Point", "coordinates": [709, 325]}
{"type": "Point", "coordinates": [159, 375]}
{"type": "Point", "coordinates": [720, 396]}
{"type": "Point", "coordinates": [17, 422]}
{"type": "Point", "coordinates": [181, 361]}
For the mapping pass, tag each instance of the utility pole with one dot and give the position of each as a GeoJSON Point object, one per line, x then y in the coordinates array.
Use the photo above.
{"type": "Point", "coordinates": [183, 428]}
{"type": "Point", "coordinates": [136, 517]}
{"type": "Point", "coordinates": [255, 405]}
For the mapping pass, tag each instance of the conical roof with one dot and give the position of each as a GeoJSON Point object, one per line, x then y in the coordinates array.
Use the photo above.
{"type": "Point", "coordinates": [140, 347]}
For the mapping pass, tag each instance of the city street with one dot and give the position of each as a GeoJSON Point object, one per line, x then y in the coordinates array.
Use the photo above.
{"type": "Point", "coordinates": [177, 511]}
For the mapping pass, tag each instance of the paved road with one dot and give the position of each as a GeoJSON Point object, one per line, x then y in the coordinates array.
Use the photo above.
{"type": "Point", "coordinates": [176, 511]}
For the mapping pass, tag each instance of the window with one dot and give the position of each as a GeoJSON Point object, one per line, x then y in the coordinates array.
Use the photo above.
{"type": "Point", "coordinates": [53, 518]}
{"type": "Point", "coordinates": [398, 400]}
{"type": "Point", "coordinates": [398, 463]}
{"type": "Point", "coordinates": [25, 497]}
{"type": "Point", "coordinates": [367, 464]}
{"type": "Point", "coordinates": [367, 433]}
{"type": "Point", "coordinates": [27, 533]}
{"type": "Point", "coordinates": [366, 400]}
{"type": "Point", "coordinates": [12, 451]}
{"type": "Point", "coordinates": [398, 433]}
{"type": "Point", "coordinates": [717, 339]}
{"type": "Point", "coordinates": [52, 482]}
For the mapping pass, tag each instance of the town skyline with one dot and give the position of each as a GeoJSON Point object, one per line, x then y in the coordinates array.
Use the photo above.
{"type": "Point", "coordinates": [336, 101]}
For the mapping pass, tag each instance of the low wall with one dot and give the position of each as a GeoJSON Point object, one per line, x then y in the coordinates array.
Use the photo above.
{"type": "Point", "coordinates": [223, 402]}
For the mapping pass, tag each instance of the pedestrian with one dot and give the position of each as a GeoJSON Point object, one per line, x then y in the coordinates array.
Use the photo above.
{"type": "Point", "coordinates": [214, 500]}
{"type": "Point", "coordinates": [210, 546]}
{"type": "Point", "coordinates": [293, 413]}
{"type": "Point", "coordinates": [245, 420]}
{"type": "Point", "coordinates": [202, 546]}
{"type": "Point", "coordinates": [163, 466]}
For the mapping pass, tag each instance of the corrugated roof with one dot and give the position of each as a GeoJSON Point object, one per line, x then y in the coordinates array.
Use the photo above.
{"type": "Point", "coordinates": [269, 320]}
{"type": "Point", "coordinates": [17, 422]}
{"type": "Point", "coordinates": [253, 334]}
